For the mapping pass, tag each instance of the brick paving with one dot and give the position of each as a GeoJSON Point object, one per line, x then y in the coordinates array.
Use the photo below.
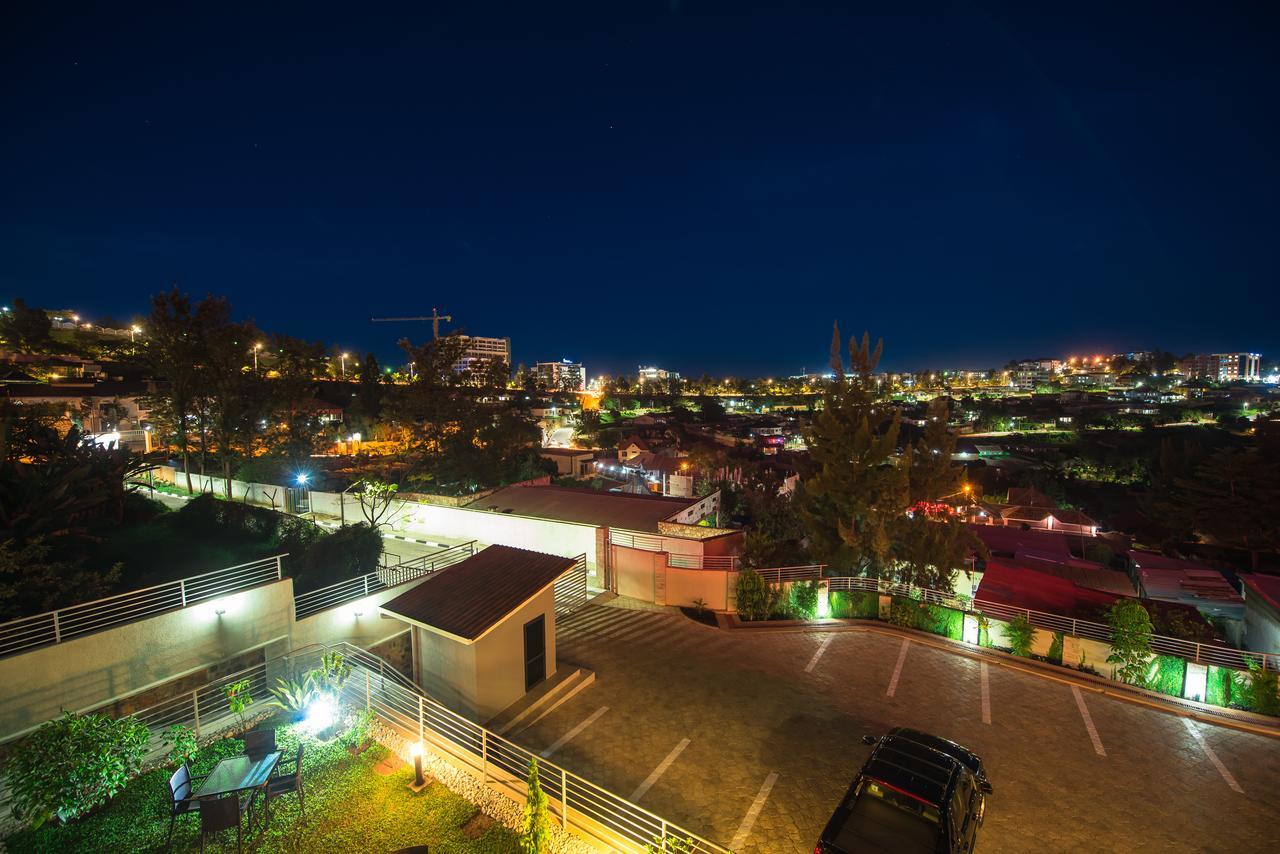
{"type": "Point", "coordinates": [749, 710]}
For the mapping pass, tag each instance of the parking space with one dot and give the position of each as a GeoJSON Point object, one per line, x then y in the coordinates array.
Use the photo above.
{"type": "Point", "coordinates": [751, 738]}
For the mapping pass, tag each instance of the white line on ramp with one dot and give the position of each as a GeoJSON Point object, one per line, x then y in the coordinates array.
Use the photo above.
{"type": "Point", "coordinates": [659, 771]}
{"type": "Point", "coordinates": [822, 647]}
{"type": "Point", "coordinates": [573, 733]}
{"type": "Point", "coordinates": [1088, 722]}
{"type": "Point", "coordinates": [749, 820]}
{"type": "Point", "coordinates": [897, 670]}
{"type": "Point", "coordinates": [1213, 757]}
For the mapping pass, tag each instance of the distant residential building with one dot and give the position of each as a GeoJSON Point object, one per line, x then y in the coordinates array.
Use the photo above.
{"type": "Point", "coordinates": [479, 350]}
{"type": "Point", "coordinates": [563, 375]}
{"type": "Point", "coordinates": [1030, 373]}
{"type": "Point", "coordinates": [1224, 367]}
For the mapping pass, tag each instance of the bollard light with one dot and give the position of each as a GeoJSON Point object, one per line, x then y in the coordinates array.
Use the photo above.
{"type": "Point", "coordinates": [419, 781]}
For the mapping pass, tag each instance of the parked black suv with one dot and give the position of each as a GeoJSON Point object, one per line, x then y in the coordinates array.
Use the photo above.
{"type": "Point", "coordinates": [916, 793]}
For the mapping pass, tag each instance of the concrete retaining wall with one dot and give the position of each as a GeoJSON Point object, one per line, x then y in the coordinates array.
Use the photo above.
{"type": "Point", "coordinates": [97, 669]}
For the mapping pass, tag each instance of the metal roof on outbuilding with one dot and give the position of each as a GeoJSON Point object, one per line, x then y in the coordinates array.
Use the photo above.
{"type": "Point", "coordinates": [469, 598]}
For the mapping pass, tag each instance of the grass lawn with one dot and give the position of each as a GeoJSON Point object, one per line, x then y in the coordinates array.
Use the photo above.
{"type": "Point", "coordinates": [350, 807]}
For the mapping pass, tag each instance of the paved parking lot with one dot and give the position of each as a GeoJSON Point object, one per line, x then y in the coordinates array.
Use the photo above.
{"type": "Point", "coordinates": [751, 738]}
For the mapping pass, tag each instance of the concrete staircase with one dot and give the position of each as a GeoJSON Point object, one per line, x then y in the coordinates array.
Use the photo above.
{"type": "Point", "coordinates": [542, 700]}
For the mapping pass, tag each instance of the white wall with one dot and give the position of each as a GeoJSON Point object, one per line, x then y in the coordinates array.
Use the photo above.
{"type": "Point", "coordinates": [500, 656]}
{"type": "Point", "coordinates": [90, 671]}
{"type": "Point", "coordinates": [478, 680]}
{"type": "Point", "coordinates": [357, 622]}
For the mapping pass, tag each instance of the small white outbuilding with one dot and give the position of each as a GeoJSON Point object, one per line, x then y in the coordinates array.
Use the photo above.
{"type": "Point", "coordinates": [484, 629]}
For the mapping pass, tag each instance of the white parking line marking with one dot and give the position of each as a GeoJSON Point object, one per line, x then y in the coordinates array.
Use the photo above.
{"type": "Point", "coordinates": [1213, 757]}
{"type": "Point", "coordinates": [897, 670]}
{"type": "Point", "coordinates": [573, 733]}
{"type": "Point", "coordinates": [822, 647]}
{"type": "Point", "coordinates": [749, 820]}
{"type": "Point", "coordinates": [986, 695]}
{"type": "Point", "coordinates": [659, 771]}
{"type": "Point", "coordinates": [1088, 722]}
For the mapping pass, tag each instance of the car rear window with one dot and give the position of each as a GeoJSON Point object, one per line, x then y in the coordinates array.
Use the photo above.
{"type": "Point", "coordinates": [882, 819]}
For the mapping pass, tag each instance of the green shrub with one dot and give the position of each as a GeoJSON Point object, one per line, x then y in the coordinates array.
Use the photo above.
{"type": "Point", "coordinates": [238, 698]}
{"type": "Point", "coordinates": [350, 551]}
{"type": "Point", "coordinates": [1257, 689]}
{"type": "Point", "coordinates": [181, 742]}
{"type": "Point", "coordinates": [1130, 640]}
{"type": "Point", "coordinates": [854, 604]}
{"type": "Point", "coordinates": [753, 596]}
{"type": "Point", "coordinates": [1055, 648]}
{"type": "Point", "coordinates": [940, 620]}
{"type": "Point", "coordinates": [780, 605]}
{"type": "Point", "coordinates": [1218, 686]}
{"type": "Point", "coordinates": [331, 674]}
{"type": "Point", "coordinates": [1020, 634]}
{"type": "Point", "coordinates": [902, 613]}
{"type": "Point", "coordinates": [1166, 674]}
{"type": "Point", "coordinates": [804, 599]}
{"type": "Point", "coordinates": [359, 725]}
{"type": "Point", "coordinates": [671, 845]}
{"type": "Point", "coordinates": [72, 764]}
{"type": "Point", "coordinates": [535, 832]}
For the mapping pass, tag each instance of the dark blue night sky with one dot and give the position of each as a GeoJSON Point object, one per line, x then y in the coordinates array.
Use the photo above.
{"type": "Point", "coordinates": [705, 186]}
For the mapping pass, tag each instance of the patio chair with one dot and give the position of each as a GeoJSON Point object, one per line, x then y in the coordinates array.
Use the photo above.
{"type": "Point", "coordinates": [287, 783]}
{"type": "Point", "coordinates": [219, 814]}
{"type": "Point", "coordinates": [181, 785]}
{"type": "Point", "coordinates": [260, 742]}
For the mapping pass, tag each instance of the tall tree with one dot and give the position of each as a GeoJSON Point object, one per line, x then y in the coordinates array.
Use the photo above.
{"type": "Point", "coordinates": [854, 492]}
{"type": "Point", "coordinates": [174, 351]}
{"type": "Point", "coordinates": [235, 394]}
{"type": "Point", "coordinates": [26, 329]}
{"type": "Point", "coordinates": [930, 542]}
{"type": "Point", "coordinates": [294, 423]}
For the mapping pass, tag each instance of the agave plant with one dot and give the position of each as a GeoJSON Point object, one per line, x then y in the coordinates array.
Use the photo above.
{"type": "Point", "coordinates": [292, 696]}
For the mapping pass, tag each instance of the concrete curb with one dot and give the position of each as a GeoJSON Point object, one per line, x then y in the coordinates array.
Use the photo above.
{"type": "Point", "coordinates": [1216, 715]}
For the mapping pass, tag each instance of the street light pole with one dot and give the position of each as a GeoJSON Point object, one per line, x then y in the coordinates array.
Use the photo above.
{"type": "Point", "coordinates": [256, 348]}
{"type": "Point", "coordinates": [344, 366]}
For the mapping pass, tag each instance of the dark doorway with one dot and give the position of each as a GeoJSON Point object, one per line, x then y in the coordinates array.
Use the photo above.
{"type": "Point", "coordinates": [535, 651]}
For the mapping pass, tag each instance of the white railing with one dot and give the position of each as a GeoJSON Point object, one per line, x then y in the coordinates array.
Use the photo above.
{"type": "Point", "coordinates": [570, 591]}
{"type": "Point", "coordinates": [1200, 653]}
{"type": "Point", "coordinates": [88, 617]}
{"type": "Point", "coordinates": [779, 574]}
{"type": "Point", "coordinates": [681, 561]}
{"type": "Point", "coordinates": [634, 540]}
{"type": "Point", "coordinates": [892, 588]}
{"type": "Point", "coordinates": [314, 601]}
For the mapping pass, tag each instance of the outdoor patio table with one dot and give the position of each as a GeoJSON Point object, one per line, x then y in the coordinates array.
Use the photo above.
{"type": "Point", "coordinates": [238, 774]}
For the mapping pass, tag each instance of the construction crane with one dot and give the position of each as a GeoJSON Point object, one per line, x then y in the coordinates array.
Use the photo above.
{"type": "Point", "coordinates": [435, 317]}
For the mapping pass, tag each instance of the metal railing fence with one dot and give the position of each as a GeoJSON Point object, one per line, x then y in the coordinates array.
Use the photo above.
{"type": "Point", "coordinates": [579, 805]}
{"type": "Point", "coordinates": [1194, 651]}
{"type": "Point", "coordinates": [314, 601]}
{"type": "Point", "coordinates": [570, 591]}
{"type": "Point", "coordinates": [682, 561]}
{"type": "Point", "coordinates": [74, 621]}
{"type": "Point", "coordinates": [779, 574]}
